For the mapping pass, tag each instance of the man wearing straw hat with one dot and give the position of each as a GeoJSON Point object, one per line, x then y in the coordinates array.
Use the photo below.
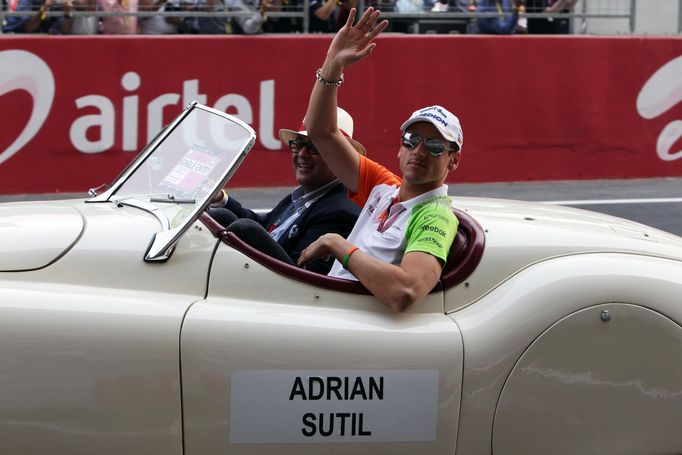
{"type": "Point", "coordinates": [319, 205]}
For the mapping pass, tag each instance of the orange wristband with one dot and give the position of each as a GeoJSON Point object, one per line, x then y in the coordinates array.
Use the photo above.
{"type": "Point", "coordinates": [346, 257]}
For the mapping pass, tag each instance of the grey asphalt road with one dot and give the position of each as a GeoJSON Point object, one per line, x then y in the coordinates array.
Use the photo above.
{"type": "Point", "coordinates": [655, 202]}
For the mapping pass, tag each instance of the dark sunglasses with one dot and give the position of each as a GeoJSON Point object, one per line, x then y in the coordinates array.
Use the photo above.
{"type": "Point", "coordinates": [298, 144]}
{"type": "Point", "coordinates": [434, 146]}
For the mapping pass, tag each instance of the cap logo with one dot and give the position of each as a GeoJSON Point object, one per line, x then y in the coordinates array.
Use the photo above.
{"type": "Point", "coordinates": [437, 118]}
{"type": "Point", "coordinates": [434, 108]}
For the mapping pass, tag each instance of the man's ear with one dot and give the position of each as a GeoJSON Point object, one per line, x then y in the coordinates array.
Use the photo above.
{"type": "Point", "coordinates": [453, 161]}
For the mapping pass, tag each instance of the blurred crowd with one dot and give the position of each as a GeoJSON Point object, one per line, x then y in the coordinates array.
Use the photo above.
{"type": "Point", "coordinates": [89, 17]}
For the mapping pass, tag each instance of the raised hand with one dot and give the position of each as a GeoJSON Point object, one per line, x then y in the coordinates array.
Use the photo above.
{"type": "Point", "coordinates": [354, 42]}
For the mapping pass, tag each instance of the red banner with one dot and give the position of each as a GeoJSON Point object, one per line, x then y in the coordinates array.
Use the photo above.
{"type": "Point", "coordinates": [75, 110]}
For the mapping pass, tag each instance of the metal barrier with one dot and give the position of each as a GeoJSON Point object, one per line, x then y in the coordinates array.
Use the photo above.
{"type": "Point", "coordinates": [456, 14]}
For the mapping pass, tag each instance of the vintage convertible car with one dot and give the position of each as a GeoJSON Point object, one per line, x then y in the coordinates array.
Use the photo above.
{"type": "Point", "coordinates": [132, 323]}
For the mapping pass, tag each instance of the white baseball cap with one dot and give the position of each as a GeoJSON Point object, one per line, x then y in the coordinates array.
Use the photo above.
{"type": "Point", "coordinates": [343, 120]}
{"type": "Point", "coordinates": [445, 121]}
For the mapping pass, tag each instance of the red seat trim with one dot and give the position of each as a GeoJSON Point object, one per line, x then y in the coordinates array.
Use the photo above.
{"type": "Point", "coordinates": [291, 271]}
{"type": "Point", "coordinates": [466, 251]}
{"type": "Point", "coordinates": [464, 256]}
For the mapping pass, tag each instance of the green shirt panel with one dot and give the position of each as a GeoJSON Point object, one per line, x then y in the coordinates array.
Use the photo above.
{"type": "Point", "coordinates": [432, 227]}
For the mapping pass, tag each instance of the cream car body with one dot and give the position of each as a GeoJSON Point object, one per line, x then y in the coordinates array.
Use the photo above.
{"type": "Point", "coordinates": [126, 330]}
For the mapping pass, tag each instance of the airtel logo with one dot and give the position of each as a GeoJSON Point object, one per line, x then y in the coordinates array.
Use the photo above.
{"type": "Point", "coordinates": [105, 118]}
{"type": "Point", "coordinates": [659, 94]}
{"type": "Point", "coordinates": [21, 70]}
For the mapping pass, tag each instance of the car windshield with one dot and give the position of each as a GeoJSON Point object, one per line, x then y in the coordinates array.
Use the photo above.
{"type": "Point", "coordinates": [176, 175]}
{"type": "Point", "coordinates": [188, 165]}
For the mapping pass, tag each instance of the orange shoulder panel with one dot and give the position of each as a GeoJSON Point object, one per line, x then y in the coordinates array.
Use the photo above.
{"type": "Point", "coordinates": [372, 174]}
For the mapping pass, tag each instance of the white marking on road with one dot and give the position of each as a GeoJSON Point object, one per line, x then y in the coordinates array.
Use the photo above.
{"type": "Point", "coordinates": [664, 200]}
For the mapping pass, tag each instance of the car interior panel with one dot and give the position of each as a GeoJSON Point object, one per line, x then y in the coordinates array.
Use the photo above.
{"type": "Point", "coordinates": [465, 254]}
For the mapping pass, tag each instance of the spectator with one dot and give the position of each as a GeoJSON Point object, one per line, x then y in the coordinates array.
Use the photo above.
{"type": "Point", "coordinates": [218, 25]}
{"type": "Point", "coordinates": [54, 25]}
{"type": "Point", "coordinates": [42, 23]}
{"type": "Point", "coordinates": [118, 25]}
{"type": "Point", "coordinates": [205, 25]}
{"type": "Point", "coordinates": [550, 25]}
{"type": "Point", "coordinates": [522, 22]}
{"type": "Point", "coordinates": [84, 25]}
{"type": "Point", "coordinates": [275, 24]}
{"type": "Point", "coordinates": [321, 16]}
{"type": "Point", "coordinates": [159, 25]}
{"type": "Point", "coordinates": [385, 5]}
{"type": "Point", "coordinates": [409, 6]}
{"type": "Point", "coordinates": [506, 21]}
{"type": "Point", "coordinates": [343, 11]}
{"type": "Point", "coordinates": [17, 24]}
{"type": "Point", "coordinates": [440, 6]}
{"type": "Point", "coordinates": [251, 24]}
{"type": "Point", "coordinates": [404, 25]}
{"type": "Point", "coordinates": [188, 24]}
{"type": "Point", "coordinates": [558, 6]}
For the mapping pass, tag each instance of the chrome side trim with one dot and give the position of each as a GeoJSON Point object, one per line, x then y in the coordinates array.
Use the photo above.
{"type": "Point", "coordinates": [163, 219]}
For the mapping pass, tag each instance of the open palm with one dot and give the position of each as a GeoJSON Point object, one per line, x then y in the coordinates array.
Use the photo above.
{"type": "Point", "coordinates": [354, 42]}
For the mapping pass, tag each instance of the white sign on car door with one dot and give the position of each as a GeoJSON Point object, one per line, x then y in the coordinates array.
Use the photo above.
{"type": "Point", "coordinates": [287, 406]}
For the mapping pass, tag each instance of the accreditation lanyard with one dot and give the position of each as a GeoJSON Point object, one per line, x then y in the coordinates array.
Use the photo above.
{"type": "Point", "coordinates": [287, 219]}
{"type": "Point", "coordinates": [390, 215]}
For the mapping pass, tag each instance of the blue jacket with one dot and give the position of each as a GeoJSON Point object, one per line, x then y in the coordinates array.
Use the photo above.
{"type": "Point", "coordinates": [17, 24]}
{"type": "Point", "coordinates": [333, 212]}
{"type": "Point", "coordinates": [505, 24]}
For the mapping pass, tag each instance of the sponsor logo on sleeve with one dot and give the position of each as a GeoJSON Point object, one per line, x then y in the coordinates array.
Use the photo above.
{"type": "Point", "coordinates": [435, 230]}
{"type": "Point", "coordinates": [437, 216]}
{"type": "Point", "coordinates": [431, 240]}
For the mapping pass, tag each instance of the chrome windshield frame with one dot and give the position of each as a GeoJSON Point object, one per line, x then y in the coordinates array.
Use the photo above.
{"type": "Point", "coordinates": [142, 157]}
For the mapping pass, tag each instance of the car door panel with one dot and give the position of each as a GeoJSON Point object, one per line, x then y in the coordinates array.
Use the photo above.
{"type": "Point", "coordinates": [273, 365]}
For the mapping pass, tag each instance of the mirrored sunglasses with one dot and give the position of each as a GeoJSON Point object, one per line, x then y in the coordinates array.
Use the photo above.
{"type": "Point", "coordinates": [434, 146]}
{"type": "Point", "coordinates": [297, 145]}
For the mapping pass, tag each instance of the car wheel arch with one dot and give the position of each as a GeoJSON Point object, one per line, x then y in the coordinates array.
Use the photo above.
{"type": "Point", "coordinates": [499, 327]}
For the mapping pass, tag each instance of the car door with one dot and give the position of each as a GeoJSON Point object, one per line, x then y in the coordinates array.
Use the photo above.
{"type": "Point", "coordinates": [275, 365]}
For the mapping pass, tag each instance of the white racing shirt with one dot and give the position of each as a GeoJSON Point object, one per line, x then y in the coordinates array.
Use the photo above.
{"type": "Point", "coordinates": [387, 229]}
